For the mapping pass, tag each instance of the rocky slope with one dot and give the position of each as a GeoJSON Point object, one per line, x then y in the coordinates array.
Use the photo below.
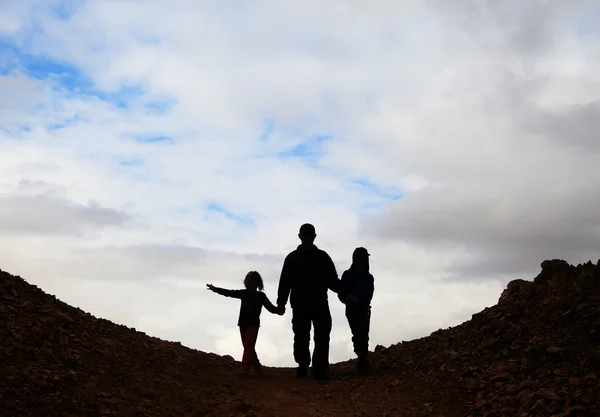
{"type": "Point", "coordinates": [536, 353]}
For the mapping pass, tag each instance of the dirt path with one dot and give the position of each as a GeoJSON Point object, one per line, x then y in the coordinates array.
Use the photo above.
{"type": "Point", "coordinates": [280, 393]}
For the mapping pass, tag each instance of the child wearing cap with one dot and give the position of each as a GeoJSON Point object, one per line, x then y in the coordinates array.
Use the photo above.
{"type": "Point", "coordinates": [358, 283]}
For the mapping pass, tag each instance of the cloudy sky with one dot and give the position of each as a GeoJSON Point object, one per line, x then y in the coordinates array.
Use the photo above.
{"type": "Point", "coordinates": [150, 147]}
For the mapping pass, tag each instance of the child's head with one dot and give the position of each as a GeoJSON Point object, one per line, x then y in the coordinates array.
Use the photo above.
{"type": "Point", "coordinates": [360, 258]}
{"type": "Point", "coordinates": [254, 281]}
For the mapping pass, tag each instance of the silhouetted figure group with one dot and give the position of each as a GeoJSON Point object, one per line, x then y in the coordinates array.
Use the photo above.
{"type": "Point", "coordinates": [307, 274]}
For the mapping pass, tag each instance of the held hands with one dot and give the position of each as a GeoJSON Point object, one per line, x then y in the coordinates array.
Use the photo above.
{"type": "Point", "coordinates": [351, 299]}
{"type": "Point", "coordinates": [280, 310]}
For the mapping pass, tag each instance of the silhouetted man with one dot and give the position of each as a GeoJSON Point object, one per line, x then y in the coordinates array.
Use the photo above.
{"type": "Point", "coordinates": [307, 273]}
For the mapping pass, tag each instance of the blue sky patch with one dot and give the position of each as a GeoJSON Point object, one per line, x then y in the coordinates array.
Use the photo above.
{"type": "Point", "coordinates": [309, 151]}
{"type": "Point", "coordinates": [153, 139]}
{"type": "Point", "coordinates": [160, 107]}
{"type": "Point", "coordinates": [70, 121]}
{"type": "Point", "coordinates": [269, 126]}
{"type": "Point", "coordinates": [14, 132]}
{"type": "Point", "coordinates": [323, 138]}
{"type": "Point", "coordinates": [301, 150]}
{"type": "Point", "coordinates": [130, 161]}
{"type": "Point", "coordinates": [388, 193]}
{"type": "Point", "coordinates": [240, 220]}
{"type": "Point", "coordinates": [66, 8]}
{"type": "Point", "coordinates": [120, 98]}
{"type": "Point", "coordinates": [42, 68]}
{"type": "Point", "coordinates": [65, 76]}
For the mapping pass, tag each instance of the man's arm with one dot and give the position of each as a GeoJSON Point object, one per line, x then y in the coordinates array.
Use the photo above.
{"type": "Point", "coordinates": [285, 282]}
{"type": "Point", "coordinates": [333, 282]}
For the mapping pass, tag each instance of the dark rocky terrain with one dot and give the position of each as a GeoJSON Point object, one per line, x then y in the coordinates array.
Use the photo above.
{"type": "Point", "coordinates": [535, 353]}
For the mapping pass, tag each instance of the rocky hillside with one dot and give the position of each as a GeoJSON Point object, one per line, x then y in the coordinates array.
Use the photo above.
{"type": "Point", "coordinates": [536, 353]}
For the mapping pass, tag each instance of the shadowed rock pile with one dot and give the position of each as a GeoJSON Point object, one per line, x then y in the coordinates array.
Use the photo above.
{"type": "Point", "coordinates": [536, 353]}
{"type": "Point", "coordinates": [57, 360]}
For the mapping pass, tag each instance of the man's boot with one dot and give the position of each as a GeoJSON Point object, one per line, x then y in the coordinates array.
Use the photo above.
{"type": "Point", "coordinates": [320, 374]}
{"type": "Point", "coordinates": [301, 371]}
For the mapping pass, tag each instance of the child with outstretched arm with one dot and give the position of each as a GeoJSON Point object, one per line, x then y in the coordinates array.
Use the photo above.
{"type": "Point", "coordinates": [253, 300]}
{"type": "Point", "coordinates": [358, 284]}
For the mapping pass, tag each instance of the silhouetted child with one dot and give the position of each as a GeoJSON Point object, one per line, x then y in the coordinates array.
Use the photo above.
{"type": "Point", "coordinates": [358, 283]}
{"type": "Point", "coordinates": [253, 299]}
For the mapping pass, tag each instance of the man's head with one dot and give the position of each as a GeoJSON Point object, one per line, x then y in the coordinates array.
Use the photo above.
{"type": "Point", "coordinates": [307, 234]}
{"type": "Point", "coordinates": [360, 257]}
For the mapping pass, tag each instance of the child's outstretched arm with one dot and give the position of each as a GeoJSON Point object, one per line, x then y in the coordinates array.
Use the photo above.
{"type": "Point", "coordinates": [270, 307]}
{"type": "Point", "coordinates": [225, 292]}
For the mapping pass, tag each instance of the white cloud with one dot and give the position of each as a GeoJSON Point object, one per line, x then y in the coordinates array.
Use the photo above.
{"type": "Point", "coordinates": [485, 117]}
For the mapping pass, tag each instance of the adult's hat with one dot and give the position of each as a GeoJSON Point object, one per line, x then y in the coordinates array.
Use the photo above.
{"type": "Point", "coordinates": [360, 253]}
{"type": "Point", "coordinates": [307, 228]}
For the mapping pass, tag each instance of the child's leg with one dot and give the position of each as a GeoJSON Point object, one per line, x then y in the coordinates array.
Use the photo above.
{"type": "Point", "coordinates": [365, 328]}
{"type": "Point", "coordinates": [250, 348]}
{"type": "Point", "coordinates": [369, 322]}
{"type": "Point", "coordinates": [363, 365]}
{"type": "Point", "coordinates": [359, 320]}
{"type": "Point", "coordinates": [246, 355]}
{"type": "Point", "coordinates": [352, 315]}
{"type": "Point", "coordinates": [256, 362]}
